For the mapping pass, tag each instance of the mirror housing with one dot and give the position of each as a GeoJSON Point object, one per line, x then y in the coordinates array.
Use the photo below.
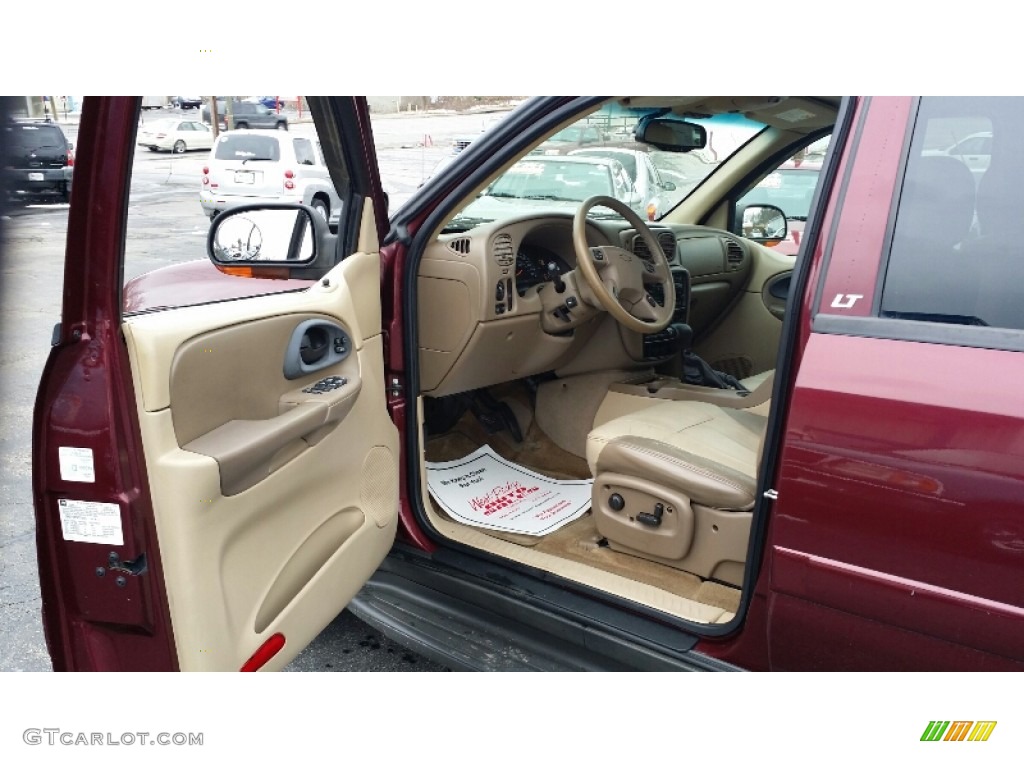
{"type": "Point", "coordinates": [271, 240]}
{"type": "Point", "coordinates": [762, 223]}
{"type": "Point", "coordinates": [671, 135]}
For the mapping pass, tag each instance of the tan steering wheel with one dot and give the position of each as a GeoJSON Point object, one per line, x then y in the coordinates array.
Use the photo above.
{"type": "Point", "coordinates": [618, 278]}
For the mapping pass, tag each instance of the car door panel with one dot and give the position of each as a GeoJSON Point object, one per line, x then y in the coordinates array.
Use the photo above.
{"type": "Point", "coordinates": [263, 492]}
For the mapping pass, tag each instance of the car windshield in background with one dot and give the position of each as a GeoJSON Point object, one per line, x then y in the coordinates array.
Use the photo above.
{"type": "Point", "coordinates": [549, 179]}
{"type": "Point", "coordinates": [237, 146]}
{"type": "Point", "coordinates": [627, 159]}
{"type": "Point", "coordinates": [605, 138]}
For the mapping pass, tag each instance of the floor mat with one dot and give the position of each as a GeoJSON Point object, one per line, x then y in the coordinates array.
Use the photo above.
{"type": "Point", "coordinates": [486, 490]}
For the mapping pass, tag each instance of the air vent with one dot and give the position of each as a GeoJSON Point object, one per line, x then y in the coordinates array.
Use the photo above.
{"type": "Point", "coordinates": [504, 254]}
{"type": "Point", "coordinates": [733, 255]}
{"type": "Point", "coordinates": [460, 245]}
{"type": "Point", "coordinates": [666, 239]}
{"type": "Point", "coordinates": [668, 244]}
{"type": "Point", "coordinates": [640, 247]}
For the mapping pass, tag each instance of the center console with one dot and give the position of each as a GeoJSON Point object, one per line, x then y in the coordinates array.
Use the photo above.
{"type": "Point", "coordinates": [664, 344]}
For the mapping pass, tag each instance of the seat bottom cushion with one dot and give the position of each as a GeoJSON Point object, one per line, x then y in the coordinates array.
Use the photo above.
{"type": "Point", "coordinates": [707, 452]}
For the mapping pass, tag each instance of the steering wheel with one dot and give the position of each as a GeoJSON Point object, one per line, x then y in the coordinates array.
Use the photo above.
{"type": "Point", "coordinates": [619, 279]}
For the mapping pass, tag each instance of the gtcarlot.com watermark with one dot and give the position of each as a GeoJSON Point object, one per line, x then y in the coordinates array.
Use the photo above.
{"type": "Point", "coordinates": [56, 737]}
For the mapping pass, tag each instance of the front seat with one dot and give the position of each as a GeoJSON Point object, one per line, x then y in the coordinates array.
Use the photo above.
{"type": "Point", "coordinates": [997, 257]}
{"type": "Point", "coordinates": [676, 483]}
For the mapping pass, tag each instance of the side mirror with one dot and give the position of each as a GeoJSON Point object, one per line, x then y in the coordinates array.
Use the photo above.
{"type": "Point", "coordinates": [668, 186]}
{"type": "Point", "coordinates": [671, 135]}
{"type": "Point", "coordinates": [271, 240]}
{"type": "Point", "coordinates": [763, 223]}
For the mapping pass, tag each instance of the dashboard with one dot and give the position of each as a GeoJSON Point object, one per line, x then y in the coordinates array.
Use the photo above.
{"type": "Point", "coordinates": [480, 298]}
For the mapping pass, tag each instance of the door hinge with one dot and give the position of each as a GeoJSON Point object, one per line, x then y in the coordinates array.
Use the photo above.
{"type": "Point", "coordinates": [771, 494]}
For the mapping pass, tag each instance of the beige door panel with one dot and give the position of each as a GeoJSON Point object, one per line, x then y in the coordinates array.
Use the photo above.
{"type": "Point", "coordinates": [775, 293]}
{"type": "Point", "coordinates": [746, 341]}
{"type": "Point", "coordinates": [273, 505]}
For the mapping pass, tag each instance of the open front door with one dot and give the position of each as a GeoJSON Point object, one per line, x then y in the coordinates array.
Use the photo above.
{"type": "Point", "coordinates": [211, 486]}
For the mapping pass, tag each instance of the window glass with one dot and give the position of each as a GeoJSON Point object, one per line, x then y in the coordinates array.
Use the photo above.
{"type": "Point", "coordinates": [174, 196]}
{"type": "Point", "coordinates": [956, 254]}
{"type": "Point", "coordinates": [304, 152]}
{"type": "Point", "coordinates": [32, 136]}
{"type": "Point", "coordinates": [248, 146]}
{"type": "Point", "coordinates": [544, 180]}
{"type": "Point", "coordinates": [791, 188]}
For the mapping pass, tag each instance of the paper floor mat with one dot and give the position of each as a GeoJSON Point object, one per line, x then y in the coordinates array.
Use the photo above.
{"type": "Point", "coordinates": [485, 490]}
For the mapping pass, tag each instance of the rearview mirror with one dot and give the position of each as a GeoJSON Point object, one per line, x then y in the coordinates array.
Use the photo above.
{"type": "Point", "coordinates": [671, 135]}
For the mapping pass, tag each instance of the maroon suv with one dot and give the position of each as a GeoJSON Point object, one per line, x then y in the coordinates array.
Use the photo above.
{"type": "Point", "coordinates": [550, 439]}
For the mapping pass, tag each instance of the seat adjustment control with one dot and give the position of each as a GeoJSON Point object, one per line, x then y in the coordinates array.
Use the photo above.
{"type": "Point", "coordinates": [616, 502]}
{"type": "Point", "coordinates": [652, 519]}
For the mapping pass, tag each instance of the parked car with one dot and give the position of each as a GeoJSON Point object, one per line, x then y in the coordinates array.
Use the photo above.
{"type": "Point", "coordinates": [648, 184]}
{"type": "Point", "coordinates": [174, 135]}
{"type": "Point", "coordinates": [154, 102]}
{"type": "Point", "coordinates": [270, 102]}
{"type": "Point", "coordinates": [973, 150]}
{"type": "Point", "coordinates": [248, 167]}
{"type": "Point", "coordinates": [36, 160]}
{"type": "Point", "coordinates": [187, 102]}
{"type": "Point", "coordinates": [215, 479]}
{"type": "Point", "coordinates": [568, 139]}
{"type": "Point", "coordinates": [245, 114]}
{"type": "Point", "coordinates": [549, 183]}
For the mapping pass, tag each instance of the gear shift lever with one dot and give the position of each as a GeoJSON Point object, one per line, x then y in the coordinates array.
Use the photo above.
{"type": "Point", "coordinates": [695, 370]}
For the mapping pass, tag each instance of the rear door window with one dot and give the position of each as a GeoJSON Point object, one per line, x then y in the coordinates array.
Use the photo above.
{"type": "Point", "coordinates": [956, 255]}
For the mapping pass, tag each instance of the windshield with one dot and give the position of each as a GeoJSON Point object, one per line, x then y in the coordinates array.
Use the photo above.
{"type": "Point", "coordinates": [554, 179]}
{"type": "Point", "coordinates": [598, 155]}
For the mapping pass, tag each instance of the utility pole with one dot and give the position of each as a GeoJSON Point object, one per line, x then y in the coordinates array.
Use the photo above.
{"type": "Point", "coordinates": [214, 119]}
{"type": "Point", "coordinates": [228, 125]}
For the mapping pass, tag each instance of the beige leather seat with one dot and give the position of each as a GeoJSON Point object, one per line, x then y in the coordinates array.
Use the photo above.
{"type": "Point", "coordinates": [676, 483]}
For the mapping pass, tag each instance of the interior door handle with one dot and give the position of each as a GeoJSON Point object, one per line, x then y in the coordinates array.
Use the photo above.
{"type": "Point", "coordinates": [315, 345]}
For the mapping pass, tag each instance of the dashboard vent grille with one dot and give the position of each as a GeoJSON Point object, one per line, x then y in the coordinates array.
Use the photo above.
{"type": "Point", "coordinates": [666, 239]}
{"type": "Point", "coordinates": [503, 251]}
{"type": "Point", "coordinates": [640, 247]}
{"type": "Point", "coordinates": [733, 254]}
{"type": "Point", "coordinates": [668, 244]}
{"type": "Point", "coordinates": [460, 245]}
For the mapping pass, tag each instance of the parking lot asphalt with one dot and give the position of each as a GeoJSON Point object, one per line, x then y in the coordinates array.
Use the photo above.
{"type": "Point", "coordinates": [32, 242]}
